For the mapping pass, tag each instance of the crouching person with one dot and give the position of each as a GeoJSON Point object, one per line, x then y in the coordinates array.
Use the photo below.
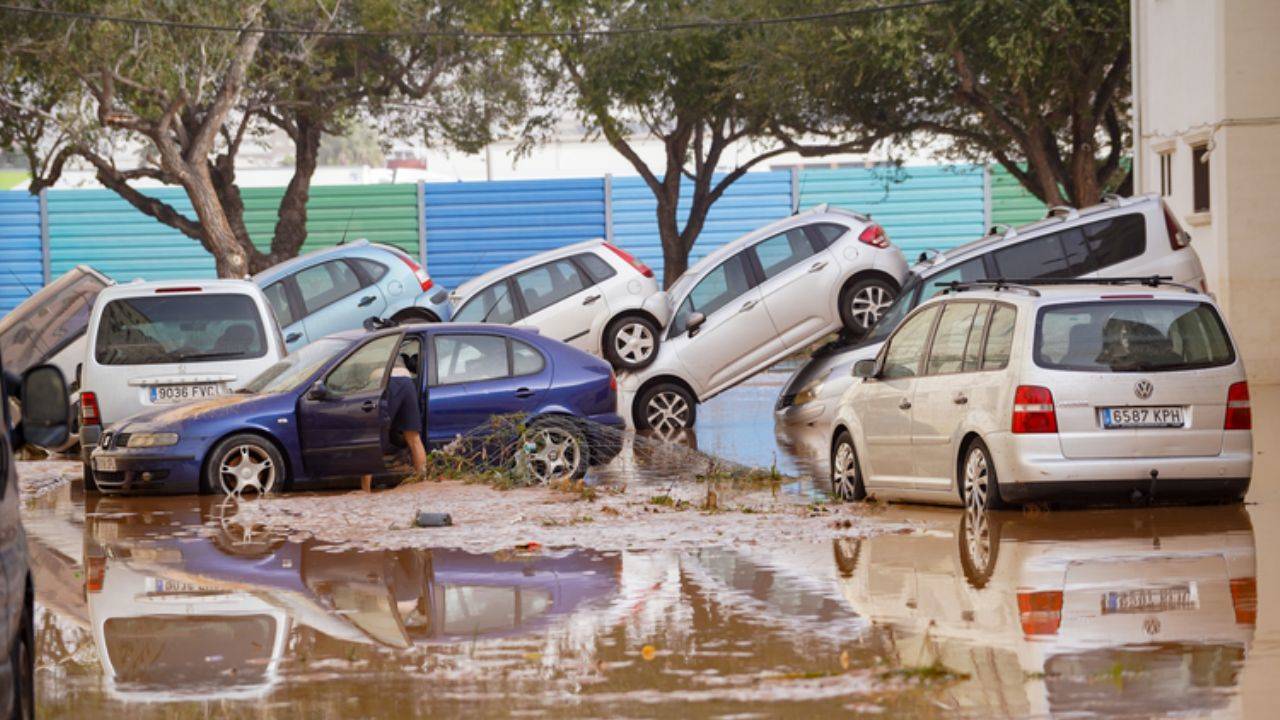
{"type": "Point", "coordinates": [405, 418]}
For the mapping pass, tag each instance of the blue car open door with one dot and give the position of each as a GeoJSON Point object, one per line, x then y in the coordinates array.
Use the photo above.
{"type": "Point", "coordinates": [341, 418]}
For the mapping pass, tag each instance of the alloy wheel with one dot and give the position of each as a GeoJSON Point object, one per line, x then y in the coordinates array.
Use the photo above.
{"type": "Point", "coordinates": [634, 343]}
{"type": "Point", "coordinates": [551, 454]}
{"type": "Point", "coordinates": [977, 481]}
{"type": "Point", "coordinates": [977, 539]}
{"type": "Point", "coordinates": [667, 413]}
{"type": "Point", "coordinates": [844, 472]}
{"type": "Point", "coordinates": [868, 305]}
{"type": "Point", "coordinates": [246, 467]}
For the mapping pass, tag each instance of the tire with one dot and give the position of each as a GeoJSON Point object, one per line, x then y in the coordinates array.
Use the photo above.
{"type": "Point", "coordinates": [846, 471]}
{"type": "Point", "coordinates": [846, 551]}
{"type": "Point", "coordinates": [223, 467]}
{"type": "Point", "coordinates": [862, 302]}
{"type": "Point", "coordinates": [90, 485]}
{"type": "Point", "coordinates": [979, 539]}
{"type": "Point", "coordinates": [415, 315]}
{"type": "Point", "coordinates": [554, 450]}
{"type": "Point", "coordinates": [980, 485]}
{"type": "Point", "coordinates": [22, 659]}
{"type": "Point", "coordinates": [665, 408]}
{"type": "Point", "coordinates": [630, 342]}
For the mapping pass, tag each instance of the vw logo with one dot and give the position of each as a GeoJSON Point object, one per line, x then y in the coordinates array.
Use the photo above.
{"type": "Point", "coordinates": [1143, 389]}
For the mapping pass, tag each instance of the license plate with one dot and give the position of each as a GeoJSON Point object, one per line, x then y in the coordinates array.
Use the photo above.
{"type": "Point", "coordinates": [184, 393]}
{"type": "Point", "coordinates": [157, 585]}
{"type": "Point", "coordinates": [1150, 600]}
{"type": "Point", "coordinates": [1143, 417]}
{"type": "Point", "coordinates": [105, 464]}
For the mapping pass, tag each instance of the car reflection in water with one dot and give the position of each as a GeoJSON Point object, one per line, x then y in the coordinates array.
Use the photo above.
{"type": "Point", "coordinates": [177, 615]}
{"type": "Point", "coordinates": [1145, 612]}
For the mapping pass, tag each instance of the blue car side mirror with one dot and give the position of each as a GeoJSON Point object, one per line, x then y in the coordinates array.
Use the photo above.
{"type": "Point", "coordinates": [319, 392]}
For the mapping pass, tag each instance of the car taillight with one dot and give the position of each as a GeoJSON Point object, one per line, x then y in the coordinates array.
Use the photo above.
{"type": "Point", "coordinates": [1033, 410]}
{"type": "Point", "coordinates": [1239, 415]}
{"type": "Point", "coordinates": [424, 280]}
{"type": "Point", "coordinates": [95, 571]}
{"type": "Point", "coordinates": [1244, 600]}
{"type": "Point", "coordinates": [89, 413]}
{"type": "Point", "coordinates": [1178, 238]}
{"type": "Point", "coordinates": [1040, 612]}
{"type": "Point", "coordinates": [630, 259]}
{"type": "Point", "coordinates": [165, 290]}
{"type": "Point", "coordinates": [875, 236]}
{"type": "Point", "coordinates": [613, 382]}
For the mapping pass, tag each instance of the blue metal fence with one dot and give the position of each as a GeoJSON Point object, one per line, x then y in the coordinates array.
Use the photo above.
{"type": "Point", "coordinates": [21, 270]}
{"type": "Point", "coordinates": [920, 207]}
{"type": "Point", "coordinates": [754, 200]}
{"type": "Point", "coordinates": [473, 227]}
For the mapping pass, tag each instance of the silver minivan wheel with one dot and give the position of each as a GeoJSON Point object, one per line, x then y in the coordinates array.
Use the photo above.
{"type": "Point", "coordinates": [846, 475]}
{"type": "Point", "coordinates": [977, 479]}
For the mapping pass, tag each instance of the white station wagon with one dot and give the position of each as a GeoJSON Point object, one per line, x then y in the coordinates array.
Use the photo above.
{"type": "Point", "coordinates": [1053, 391]}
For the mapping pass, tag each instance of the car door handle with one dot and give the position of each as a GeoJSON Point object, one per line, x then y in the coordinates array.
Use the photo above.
{"type": "Point", "coordinates": [524, 393]}
{"type": "Point", "coordinates": [293, 337]}
{"type": "Point", "coordinates": [747, 305]}
{"type": "Point", "coordinates": [367, 300]}
{"type": "Point", "coordinates": [590, 299]}
{"type": "Point", "coordinates": [960, 399]}
{"type": "Point", "coordinates": [368, 405]}
{"type": "Point", "coordinates": [817, 266]}
{"type": "Point", "coordinates": [904, 405]}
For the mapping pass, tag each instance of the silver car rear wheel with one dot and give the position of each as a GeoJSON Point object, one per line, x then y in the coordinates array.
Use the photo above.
{"type": "Point", "coordinates": [634, 343]}
{"type": "Point", "coordinates": [978, 480]}
{"type": "Point", "coordinates": [868, 304]}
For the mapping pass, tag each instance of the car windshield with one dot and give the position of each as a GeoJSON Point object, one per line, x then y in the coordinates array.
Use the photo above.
{"type": "Point", "coordinates": [158, 329]}
{"type": "Point", "coordinates": [49, 320]}
{"type": "Point", "coordinates": [296, 369]}
{"type": "Point", "coordinates": [1132, 336]}
{"type": "Point", "coordinates": [894, 314]}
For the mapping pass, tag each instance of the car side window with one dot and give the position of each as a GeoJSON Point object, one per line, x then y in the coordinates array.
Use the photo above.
{"type": "Point", "coordinates": [946, 354]}
{"type": "Point", "coordinates": [966, 271]}
{"type": "Point", "coordinates": [827, 233]}
{"type": "Point", "coordinates": [973, 346]}
{"type": "Point", "coordinates": [1040, 257]}
{"type": "Point", "coordinates": [782, 251]}
{"type": "Point", "coordinates": [1116, 240]}
{"type": "Point", "coordinates": [728, 281]}
{"type": "Point", "coordinates": [365, 369]}
{"type": "Point", "coordinates": [902, 358]}
{"type": "Point", "coordinates": [597, 268]}
{"type": "Point", "coordinates": [525, 359]}
{"type": "Point", "coordinates": [469, 358]}
{"type": "Point", "coordinates": [278, 295]}
{"type": "Point", "coordinates": [999, 339]}
{"type": "Point", "coordinates": [548, 284]}
{"type": "Point", "coordinates": [372, 269]}
{"type": "Point", "coordinates": [493, 304]}
{"type": "Point", "coordinates": [324, 284]}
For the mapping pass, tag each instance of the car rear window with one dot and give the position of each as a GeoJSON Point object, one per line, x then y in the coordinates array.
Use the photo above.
{"type": "Point", "coordinates": [179, 328]}
{"type": "Point", "coordinates": [1132, 336]}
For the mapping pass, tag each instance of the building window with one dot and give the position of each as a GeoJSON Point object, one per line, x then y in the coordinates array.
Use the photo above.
{"type": "Point", "coordinates": [1200, 178]}
{"type": "Point", "coordinates": [1166, 174]}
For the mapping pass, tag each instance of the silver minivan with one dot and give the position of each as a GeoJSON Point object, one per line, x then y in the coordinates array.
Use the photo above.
{"type": "Point", "coordinates": [1127, 237]}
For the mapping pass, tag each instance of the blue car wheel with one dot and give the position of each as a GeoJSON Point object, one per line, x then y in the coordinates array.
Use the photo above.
{"type": "Point", "coordinates": [554, 450]}
{"type": "Point", "coordinates": [243, 463]}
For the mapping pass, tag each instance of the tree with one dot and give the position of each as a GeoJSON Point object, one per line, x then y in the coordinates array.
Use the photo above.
{"type": "Point", "coordinates": [79, 90]}
{"type": "Point", "coordinates": [692, 89]}
{"type": "Point", "coordinates": [356, 144]}
{"type": "Point", "coordinates": [1039, 86]}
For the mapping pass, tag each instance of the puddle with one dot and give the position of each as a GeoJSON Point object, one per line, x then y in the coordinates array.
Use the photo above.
{"type": "Point", "coordinates": [168, 607]}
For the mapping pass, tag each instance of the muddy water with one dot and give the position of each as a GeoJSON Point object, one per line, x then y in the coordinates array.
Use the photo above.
{"type": "Point", "coordinates": [168, 607]}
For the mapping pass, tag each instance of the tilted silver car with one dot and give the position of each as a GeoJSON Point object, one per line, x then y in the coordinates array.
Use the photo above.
{"type": "Point", "coordinates": [1066, 392]}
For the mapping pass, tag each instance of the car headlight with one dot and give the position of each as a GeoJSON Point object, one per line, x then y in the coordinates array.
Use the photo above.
{"type": "Point", "coordinates": [146, 440]}
{"type": "Point", "coordinates": [808, 394]}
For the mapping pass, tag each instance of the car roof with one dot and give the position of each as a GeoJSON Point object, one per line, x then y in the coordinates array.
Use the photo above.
{"type": "Point", "coordinates": [1042, 294]}
{"type": "Point", "coordinates": [292, 265]}
{"type": "Point", "coordinates": [1062, 217]}
{"type": "Point", "coordinates": [813, 214]}
{"type": "Point", "coordinates": [479, 282]}
{"type": "Point", "coordinates": [179, 287]}
{"type": "Point", "coordinates": [491, 328]}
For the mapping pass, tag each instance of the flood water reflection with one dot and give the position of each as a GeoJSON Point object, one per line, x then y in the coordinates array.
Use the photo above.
{"type": "Point", "coordinates": [149, 606]}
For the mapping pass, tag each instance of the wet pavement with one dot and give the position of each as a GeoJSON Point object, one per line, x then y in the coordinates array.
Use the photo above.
{"type": "Point", "coordinates": [168, 607]}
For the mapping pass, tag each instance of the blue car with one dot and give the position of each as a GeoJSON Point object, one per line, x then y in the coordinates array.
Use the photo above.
{"type": "Point", "coordinates": [320, 415]}
{"type": "Point", "coordinates": [338, 288]}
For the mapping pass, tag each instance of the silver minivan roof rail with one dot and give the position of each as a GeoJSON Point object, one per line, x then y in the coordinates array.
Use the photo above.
{"type": "Point", "coordinates": [1152, 281]}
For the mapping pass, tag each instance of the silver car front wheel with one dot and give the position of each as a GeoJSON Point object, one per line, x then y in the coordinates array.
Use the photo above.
{"type": "Point", "coordinates": [667, 412]}
{"type": "Point", "coordinates": [846, 475]}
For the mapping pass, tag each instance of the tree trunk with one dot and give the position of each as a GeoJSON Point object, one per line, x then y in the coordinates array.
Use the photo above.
{"type": "Point", "coordinates": [291, 227]}
{"type": "Point", "coordinates": [231, 258]}
{"type": "Point", "coordinates": [675, 257]}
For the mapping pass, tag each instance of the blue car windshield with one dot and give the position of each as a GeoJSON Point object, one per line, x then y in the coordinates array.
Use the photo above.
{"type": "Point", "coordinates": [297, 368]}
